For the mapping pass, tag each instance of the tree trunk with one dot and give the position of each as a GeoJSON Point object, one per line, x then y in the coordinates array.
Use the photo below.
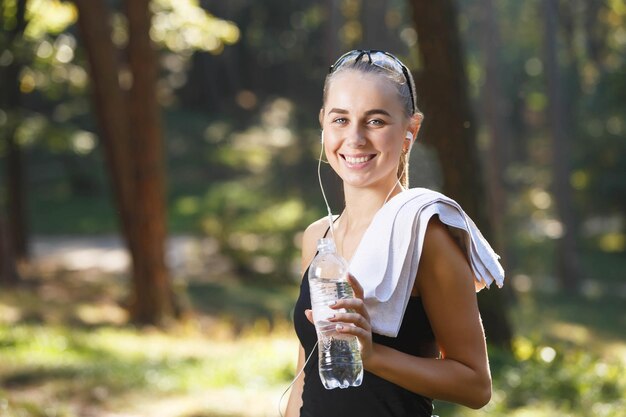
{"type": "Point", "coordinates": [332, 183]}
{"type": "Point", "coordinates": [110, 107]}
{"type": "Point", "coordinates": [449, 127]}
{"type": "Point", "coordinates": [153, 298]}
{"type": "Point", "coordinates": [17, 227]}
{"type": "Point", "coordinates": [17, 230]}
{"type": "Point", "coordinates": [494, 105]}
{"type": "Point", "coordinates": [130, 133]}
{"type": "Point", "coordinates": [567, 265]}
{"type": "Point", "coordinates": [595, 32]}
{"type": "Point", "coordinates": [375, 31]}
{"type": "Point", "coordinates": [8, 271]}
{"type": "Point", "coordinates": [334, 23]}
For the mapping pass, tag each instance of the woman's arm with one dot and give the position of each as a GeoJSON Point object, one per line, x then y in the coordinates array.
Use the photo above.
{"type": "Point", "coordinates": [446, 285]}
{"type": "Point", "coordinates": [295, 396]}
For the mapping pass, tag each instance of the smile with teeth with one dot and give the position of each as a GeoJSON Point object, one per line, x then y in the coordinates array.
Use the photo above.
{"type": "Point", "coordinates": [353, 160]}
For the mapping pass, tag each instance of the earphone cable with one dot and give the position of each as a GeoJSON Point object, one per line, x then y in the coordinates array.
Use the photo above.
{"type": "Point", "coordinates": [394, 186]}
{"type": "Point", "coordinates": [295, 379]}
{"type": "Point", "coordinates": [319, 178]}
{"type": "Point", "coordinates": [330, 222]}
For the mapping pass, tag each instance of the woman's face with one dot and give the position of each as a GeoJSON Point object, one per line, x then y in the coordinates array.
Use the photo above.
{"type": "Point", "coordinates": [364, 128]}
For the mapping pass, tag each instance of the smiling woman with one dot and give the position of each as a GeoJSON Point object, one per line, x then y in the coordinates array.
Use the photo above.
{"type": "Point", "coordinates": [382, 66]}
{"type": "Point", "coordinates": [364, 130]}
{"type": "Point", "coordinates": [435, 347]}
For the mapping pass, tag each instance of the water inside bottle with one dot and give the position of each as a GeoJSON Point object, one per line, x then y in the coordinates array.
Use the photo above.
{"type": "Point", "coordinates": [340, 363]}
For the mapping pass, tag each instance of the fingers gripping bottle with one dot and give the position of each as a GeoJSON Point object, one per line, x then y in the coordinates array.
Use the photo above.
{"type": "Point", "coordinates": [339, 354]}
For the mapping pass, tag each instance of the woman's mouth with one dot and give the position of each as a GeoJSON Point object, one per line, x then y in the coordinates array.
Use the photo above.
{"type": "Point", "coordinates": [357, 160]}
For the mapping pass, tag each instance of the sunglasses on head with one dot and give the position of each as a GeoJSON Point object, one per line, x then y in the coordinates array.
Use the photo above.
{"type": "Point", "coordinates": [380, 59]}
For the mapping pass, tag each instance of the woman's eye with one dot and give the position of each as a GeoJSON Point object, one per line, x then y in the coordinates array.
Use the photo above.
{"type": "Point", "coordinates": [376, 122]}
{"type": "Point", "coordinates": [340, 120]}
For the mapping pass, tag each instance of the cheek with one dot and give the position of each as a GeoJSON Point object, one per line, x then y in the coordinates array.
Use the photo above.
{"type": "Point", "coordinates": [331, 144]}
{"type": "Point", "coordinates": [392, 146]}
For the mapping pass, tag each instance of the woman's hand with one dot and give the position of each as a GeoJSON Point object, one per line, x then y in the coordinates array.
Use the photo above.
{"type": "Point", "coordinates": [354, 319]}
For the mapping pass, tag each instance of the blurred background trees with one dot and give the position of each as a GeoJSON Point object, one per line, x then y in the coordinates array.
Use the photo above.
{"type": "Point", "coordinates": [158, 119]}
{"type": "Point", "coordinates": [238, 95]}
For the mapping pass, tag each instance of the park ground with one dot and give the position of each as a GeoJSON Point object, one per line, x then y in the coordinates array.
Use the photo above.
{"type": "Point", "coordinates": [67, 350]}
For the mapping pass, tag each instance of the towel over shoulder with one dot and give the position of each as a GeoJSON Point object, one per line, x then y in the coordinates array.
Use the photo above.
{"type": "Point", "coordinates": [386, 260]}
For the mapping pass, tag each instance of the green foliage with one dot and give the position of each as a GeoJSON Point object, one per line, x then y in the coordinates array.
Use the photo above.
{"type": "Point", "coordinates": [569, 378]}
{"type": "Point", "coordinates": [182, 26]}
{"type": "Point", "coordinates": [542, 380]}
{"type": "Point", "coordinates": [242, 183]}
{"type": "Point", "coordinates": [241, 305]}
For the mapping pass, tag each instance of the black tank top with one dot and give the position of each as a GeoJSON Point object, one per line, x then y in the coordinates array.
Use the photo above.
{"type": "Point", "coordinates": [375, 397]}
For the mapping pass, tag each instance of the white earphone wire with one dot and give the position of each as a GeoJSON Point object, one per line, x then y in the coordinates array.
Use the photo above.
{"type": "Point", "coordinates": [319, 178]}
{"type": "Point", "coordinates": [295, 378]}
{"type": "Point", "coordinates": [332, 233]}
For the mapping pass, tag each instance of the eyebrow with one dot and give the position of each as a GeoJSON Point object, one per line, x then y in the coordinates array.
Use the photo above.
{"type": "Point", "coordinates": [367, 113]}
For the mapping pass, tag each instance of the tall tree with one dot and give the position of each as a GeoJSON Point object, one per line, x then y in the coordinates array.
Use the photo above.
{"type": "Point", "coordinates": [16, 227]}
{"type": "Point", "coordinates": [8, 271]}
{"type": "Point", "coordinates": [558, 110]}
{"type": "Point", "coordinates": [449, 128]}
{"type": "Point", "coordinates": [494, 105]}
{"type": "Point", "coordinates": [131, 134]}
{"type": "Point", "coordinates": [333, 47]}
{"type": "Point", "coordinates": [373, 22]}
{"type": "Point", "coordinates": [153, 297]}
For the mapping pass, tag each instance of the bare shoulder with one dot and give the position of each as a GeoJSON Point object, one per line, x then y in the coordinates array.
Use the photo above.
{"type": "Point", "coordinates": [438, 240]}
{"type": "Point", "coordinates": [442, 262]}
{"type": "Point", "coordinates": [311, 235]}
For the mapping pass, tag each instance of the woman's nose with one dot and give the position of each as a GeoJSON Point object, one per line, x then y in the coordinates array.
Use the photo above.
{"type": "Point", "coordinates": [355, 138]}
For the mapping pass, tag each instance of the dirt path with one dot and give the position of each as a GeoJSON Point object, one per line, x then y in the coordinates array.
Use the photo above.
{"type": "Point", "coordinates": [188, 255]}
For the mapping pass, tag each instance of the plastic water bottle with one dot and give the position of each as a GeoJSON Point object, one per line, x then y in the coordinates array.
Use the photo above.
{"type": "Point", "coordinates": [340, 362]}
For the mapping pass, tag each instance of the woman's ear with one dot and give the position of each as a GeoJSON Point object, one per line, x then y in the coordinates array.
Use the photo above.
{"type": "Point", "coordinates": [415, 123]}
{"type": "Point", "coordinates": [408, 142]}
{"type": "Point", "coordinates": [321, 117]}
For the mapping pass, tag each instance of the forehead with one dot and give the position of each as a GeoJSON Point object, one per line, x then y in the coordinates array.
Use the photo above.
{"type": "Point", "coordinates": [356, 89]}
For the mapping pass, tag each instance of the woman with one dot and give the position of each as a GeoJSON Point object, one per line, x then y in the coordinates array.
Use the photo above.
{"type": "Point", "coordinates": [369, 120]}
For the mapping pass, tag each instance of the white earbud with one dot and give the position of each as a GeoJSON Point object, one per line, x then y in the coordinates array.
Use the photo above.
{"type": "Point", "coordinates": [409, 138]}
{"type": "Point", "coordinates": [322, 136]}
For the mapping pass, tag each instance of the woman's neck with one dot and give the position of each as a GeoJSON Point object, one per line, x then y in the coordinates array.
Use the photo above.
{"type": "Point", "coordinates": [363, 203]}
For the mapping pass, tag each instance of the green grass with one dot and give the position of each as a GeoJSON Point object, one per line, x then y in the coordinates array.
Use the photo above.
{"type": "Point", "coordinates": [112, 367]}
{"type": "Point", "coordinates": [67, 351]}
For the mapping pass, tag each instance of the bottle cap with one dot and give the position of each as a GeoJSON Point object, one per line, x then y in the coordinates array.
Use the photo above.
{"type": "Point", "coordinates": [326, 244]}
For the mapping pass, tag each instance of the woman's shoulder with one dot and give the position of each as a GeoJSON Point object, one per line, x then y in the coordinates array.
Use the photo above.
{"type": "Point", "coordinates": [318, 228]}
{"type": "Point", "coordinates": [314, 232]}
{"type": "Point", "coordinates": [311, 235]}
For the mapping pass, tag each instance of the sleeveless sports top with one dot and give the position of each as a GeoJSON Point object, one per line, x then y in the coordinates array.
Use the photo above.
{"type": "Point", "coordinates": [375, 397]}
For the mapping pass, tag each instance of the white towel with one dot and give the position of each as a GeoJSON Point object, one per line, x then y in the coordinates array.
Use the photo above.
{"type": "Point", "coordinates": [386, 260]}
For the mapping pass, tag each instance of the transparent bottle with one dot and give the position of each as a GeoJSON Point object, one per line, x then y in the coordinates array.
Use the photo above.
{"type": "Point", "coordinates": [340, 362]}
